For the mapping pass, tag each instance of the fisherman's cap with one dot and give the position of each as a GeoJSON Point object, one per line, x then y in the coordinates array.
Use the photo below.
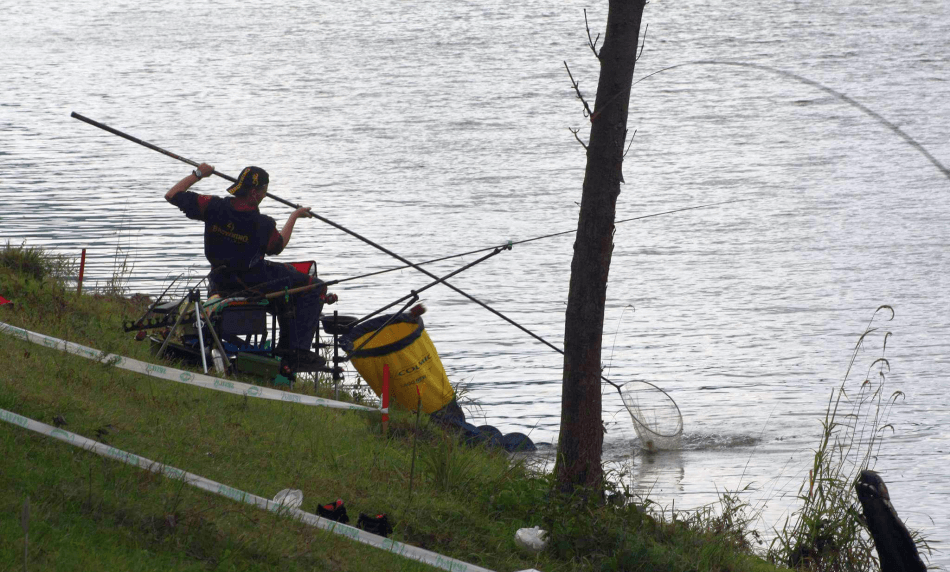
{"type": "Point", "coordinates": [251, 177]}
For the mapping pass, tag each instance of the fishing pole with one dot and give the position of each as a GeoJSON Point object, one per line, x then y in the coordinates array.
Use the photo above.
{"type": "Point", "coordinates": [339, 227]}
{"type": "Point", "coordinates": [378, 272]}
{"type": "Point", "coordinates": [487, 248]}
{"type": "Point", "coordinates": [152, 306]}
{"type": "Point", "coordinates": [153, 147]}
{"type": "Point", "coordinates": [415, 293]}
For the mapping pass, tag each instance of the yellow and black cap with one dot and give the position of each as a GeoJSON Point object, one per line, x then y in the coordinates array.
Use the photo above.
{"type": "Point", "coordinates": [251, 177]}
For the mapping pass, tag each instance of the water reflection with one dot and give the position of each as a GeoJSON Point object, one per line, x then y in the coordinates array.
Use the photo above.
{"type": "Point", "coordinates": [653, 472]}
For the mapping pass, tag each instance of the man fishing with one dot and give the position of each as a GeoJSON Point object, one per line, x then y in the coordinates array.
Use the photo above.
{"type": "Point", "coordinates": [237, 237]}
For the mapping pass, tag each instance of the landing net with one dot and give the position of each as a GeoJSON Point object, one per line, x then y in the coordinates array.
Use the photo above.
{"type": "Point", "coordinates": [656, 417]}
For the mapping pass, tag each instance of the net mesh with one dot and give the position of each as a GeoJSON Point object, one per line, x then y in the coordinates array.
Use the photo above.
{"type": "Point", "coordinates": [656, 417]}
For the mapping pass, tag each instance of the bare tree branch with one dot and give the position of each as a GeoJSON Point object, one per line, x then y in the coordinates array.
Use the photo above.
{"type": "Point", "coordinates": [577, 90]}
{"type": "Point", "coordinates": [631, 141]}
{"type": "Point", "coordinates": [591, 43]}
{"type": "Point", "coordinates": [574, 131]}
{"type": "Point", "coordinates": [643, 43]}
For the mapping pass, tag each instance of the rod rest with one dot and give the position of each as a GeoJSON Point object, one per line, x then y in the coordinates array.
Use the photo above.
{"type": "Point", "coordinates": [169, 307]}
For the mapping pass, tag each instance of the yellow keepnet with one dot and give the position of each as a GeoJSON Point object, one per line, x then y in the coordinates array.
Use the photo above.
{"type": "Point", "coordinates": [415, 369]}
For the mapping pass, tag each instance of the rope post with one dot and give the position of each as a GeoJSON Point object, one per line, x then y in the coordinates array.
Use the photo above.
{"type": "Point", "coordinates": [385, 399]}
{"type": "Point", "coordinates": [82, 268]}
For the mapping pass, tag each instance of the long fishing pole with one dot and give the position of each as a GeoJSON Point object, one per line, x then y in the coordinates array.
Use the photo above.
{"type": "Point", "coordinates": [340, 227]}
{"type": "Point", "coordinates": [378, 272]}
{"type": "Point", "coordinates": [114, 131]}
{"type": "Point", "coordinates": [487, 248]}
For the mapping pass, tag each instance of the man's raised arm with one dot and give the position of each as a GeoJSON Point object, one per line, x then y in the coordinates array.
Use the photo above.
{"type": "Point", "coordinates": [202, 171]}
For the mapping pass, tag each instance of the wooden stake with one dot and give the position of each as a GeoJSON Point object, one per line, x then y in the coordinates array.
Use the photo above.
{"type": "Point", "coordinates": [25, 525]}
{"type": "Point", "coordinates": [82, 268]}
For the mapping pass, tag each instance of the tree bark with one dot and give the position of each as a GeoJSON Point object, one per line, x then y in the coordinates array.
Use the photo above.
{"type": "Point", "coordinates": [582, 435]}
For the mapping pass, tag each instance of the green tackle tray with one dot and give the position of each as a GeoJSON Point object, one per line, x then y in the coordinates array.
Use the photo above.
{"type": "Point", "coordinates": [264, 366]}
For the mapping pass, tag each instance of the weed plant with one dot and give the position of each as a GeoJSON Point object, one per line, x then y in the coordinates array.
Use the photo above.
{"type": "Point", "coordinates": [122, 266]}
{"type": "Point", "coordinates": [630, 534]}
{"type": "Point", "coordinates": [24, 264]}
{"type": "Point", "coordinates": [826, 533]}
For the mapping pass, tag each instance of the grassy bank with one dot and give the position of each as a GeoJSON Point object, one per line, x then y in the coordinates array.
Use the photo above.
{"type": "Point", "coordinates": [87, 512]}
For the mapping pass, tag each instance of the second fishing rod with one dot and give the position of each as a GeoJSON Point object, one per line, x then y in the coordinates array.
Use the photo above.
{"type": "Point", "coordinates": [533, 239]}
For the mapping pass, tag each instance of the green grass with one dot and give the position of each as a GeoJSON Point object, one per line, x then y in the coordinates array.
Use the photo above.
{"type": "Point", "coordinates": [92, 513]}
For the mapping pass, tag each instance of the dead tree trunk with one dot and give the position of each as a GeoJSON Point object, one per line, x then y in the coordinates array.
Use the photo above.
{"type": "Point", "coordinates": [581, 439]}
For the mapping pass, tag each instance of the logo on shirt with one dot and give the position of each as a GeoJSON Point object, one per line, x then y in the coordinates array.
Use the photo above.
{"type": "Point", "coordinates": [227, 233]}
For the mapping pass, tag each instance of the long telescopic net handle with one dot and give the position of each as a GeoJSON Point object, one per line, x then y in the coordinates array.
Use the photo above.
{"type": "Point", "coordinates": [165, 152]}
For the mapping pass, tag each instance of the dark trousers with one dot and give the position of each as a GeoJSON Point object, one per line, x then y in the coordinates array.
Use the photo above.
{"type": "Point", "coordinates": [298, 316]}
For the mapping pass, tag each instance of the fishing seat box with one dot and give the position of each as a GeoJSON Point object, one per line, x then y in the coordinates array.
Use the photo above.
{"type": "Point", "coordinates": [234, 321]}
{"type": "Point", "coordinates": [242, 321]}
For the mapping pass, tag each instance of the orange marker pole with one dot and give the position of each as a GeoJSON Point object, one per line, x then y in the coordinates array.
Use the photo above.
{"type": "Point", "coordinates": [82, 267]}
{"type": "Point", "coordinates": [385, 399]}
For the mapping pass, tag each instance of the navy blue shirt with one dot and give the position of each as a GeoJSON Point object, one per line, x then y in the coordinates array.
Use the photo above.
{"type": "Point", "coordinates": [237, 235]}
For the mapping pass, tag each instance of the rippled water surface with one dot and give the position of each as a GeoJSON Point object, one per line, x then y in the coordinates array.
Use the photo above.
{"type": "Point", "coordinates": [436, 128]}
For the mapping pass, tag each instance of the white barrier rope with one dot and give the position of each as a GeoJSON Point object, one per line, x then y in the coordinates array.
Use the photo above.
{"type": "Point", "coordinates": [177, 375]}
{"type": "Point", "coordinates": [405, 550]}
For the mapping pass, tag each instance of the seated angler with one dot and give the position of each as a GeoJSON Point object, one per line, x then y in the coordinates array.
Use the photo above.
{"type": "Point", "coordinates": [237, 236]}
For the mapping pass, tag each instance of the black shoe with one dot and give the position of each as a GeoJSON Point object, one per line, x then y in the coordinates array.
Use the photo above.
{"type": "Point", "coordinates": [334, 511]}
{"type": "Point", "coordinates": [375, 525]}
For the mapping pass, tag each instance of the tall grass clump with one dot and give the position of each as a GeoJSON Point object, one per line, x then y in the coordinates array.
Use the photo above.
{"type": "Point", "coordinates": [826, 533]}
{"type": "Point", "coordinates": [34, 263]}
{"type": "Point", "coordinates": [122, 266]}
{"type": "Point", "coordinates": [623, 532]}
{"type": "Point", "coordinates": [35, 279]}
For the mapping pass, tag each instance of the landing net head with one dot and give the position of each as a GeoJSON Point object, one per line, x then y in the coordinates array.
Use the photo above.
{"type": "Point", "coordinates": [656, 417]}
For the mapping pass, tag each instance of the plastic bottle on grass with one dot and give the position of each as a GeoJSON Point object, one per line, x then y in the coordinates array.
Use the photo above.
{"type": "Point", "coordinates": [218, 361]}
{"type": "Point", "coordinates": [531, 539]}
{"type": "Point", "coordinates": [290, 498]}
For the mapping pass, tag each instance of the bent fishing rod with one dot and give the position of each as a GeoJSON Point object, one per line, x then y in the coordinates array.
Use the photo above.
{"type": "Point", "coordinates": [834, 93]}
{"type": "Point", "coordinates": [340, 227]}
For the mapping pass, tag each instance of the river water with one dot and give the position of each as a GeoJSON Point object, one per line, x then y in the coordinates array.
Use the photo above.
{"type": "Point", "coordinates": [436, 129]}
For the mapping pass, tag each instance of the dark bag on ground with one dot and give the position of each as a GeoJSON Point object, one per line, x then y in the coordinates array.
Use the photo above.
{"type": "Point", "coordinates": [378, 524]}
{"type": "Point", "coordinates": [334, 511]}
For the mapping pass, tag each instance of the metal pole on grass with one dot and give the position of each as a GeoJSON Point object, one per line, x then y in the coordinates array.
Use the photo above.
{"type": "Point", "coordinates": [415, 438]}
{"type": "Point", "coordinates": [201, 339]}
